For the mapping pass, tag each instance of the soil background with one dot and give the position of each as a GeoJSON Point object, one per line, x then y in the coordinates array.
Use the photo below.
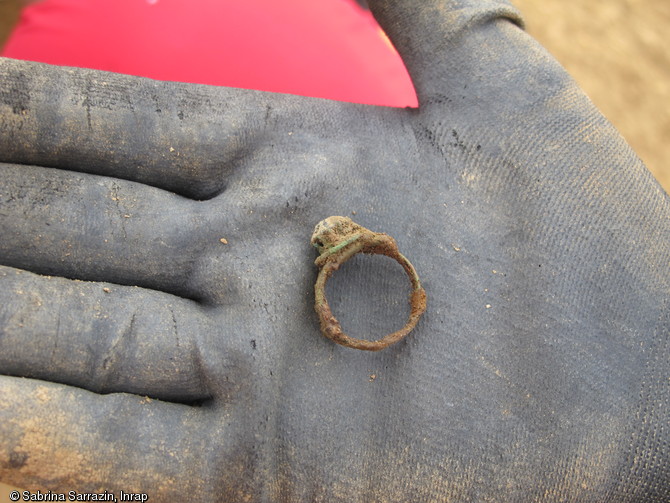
{"type": "Point", "coordinates": [616, 50]}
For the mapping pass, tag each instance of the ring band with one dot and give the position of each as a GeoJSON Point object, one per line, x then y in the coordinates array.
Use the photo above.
{"type": "Point", "coordinates": [337, 239]}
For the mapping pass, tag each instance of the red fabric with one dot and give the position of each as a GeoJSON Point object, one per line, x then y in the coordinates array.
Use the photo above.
{"type": "Point", "coordinates": [323, 48]}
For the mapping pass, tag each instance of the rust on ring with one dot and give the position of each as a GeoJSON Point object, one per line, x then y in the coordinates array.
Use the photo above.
{"type": "Point", "coordinates": [337, 239]}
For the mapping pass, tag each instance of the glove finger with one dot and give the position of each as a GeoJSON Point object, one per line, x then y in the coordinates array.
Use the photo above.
{"type": "Point", "coordinates": [87, 227]}
{"type": "Point", "coordinates": [429, 36]}
{"type": "Point", "coordinates": [101, 337]}
{"type": "Point", "coordinates": [59, 438]}
{"type": "Point", "coordinates": [179, 137]}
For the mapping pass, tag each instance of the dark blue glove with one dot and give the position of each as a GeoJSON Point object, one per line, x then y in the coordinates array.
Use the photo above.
{"type": "Point", "coordinates": [141, 353]}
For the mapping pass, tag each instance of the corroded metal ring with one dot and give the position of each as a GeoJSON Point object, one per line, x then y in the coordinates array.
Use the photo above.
{"type": "Point", "coordinates": [337, 239]}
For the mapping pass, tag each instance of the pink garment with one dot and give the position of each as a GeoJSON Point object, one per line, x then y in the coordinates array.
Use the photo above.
{"type": "Point", "coordinates": [322, 48]}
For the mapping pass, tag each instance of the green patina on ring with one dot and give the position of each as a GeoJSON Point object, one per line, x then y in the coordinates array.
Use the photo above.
{"type": "Point", "coordinates": [337, 239]}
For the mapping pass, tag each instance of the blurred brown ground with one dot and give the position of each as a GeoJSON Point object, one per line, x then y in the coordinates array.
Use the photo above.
{"type": "Point", "coordinates": [618, 53]}
{"type": "Point", "coordinates": [616, 50]}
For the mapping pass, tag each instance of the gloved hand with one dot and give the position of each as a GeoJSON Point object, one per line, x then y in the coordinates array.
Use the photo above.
{"type": "Point", "coordinates": [141, 353]}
